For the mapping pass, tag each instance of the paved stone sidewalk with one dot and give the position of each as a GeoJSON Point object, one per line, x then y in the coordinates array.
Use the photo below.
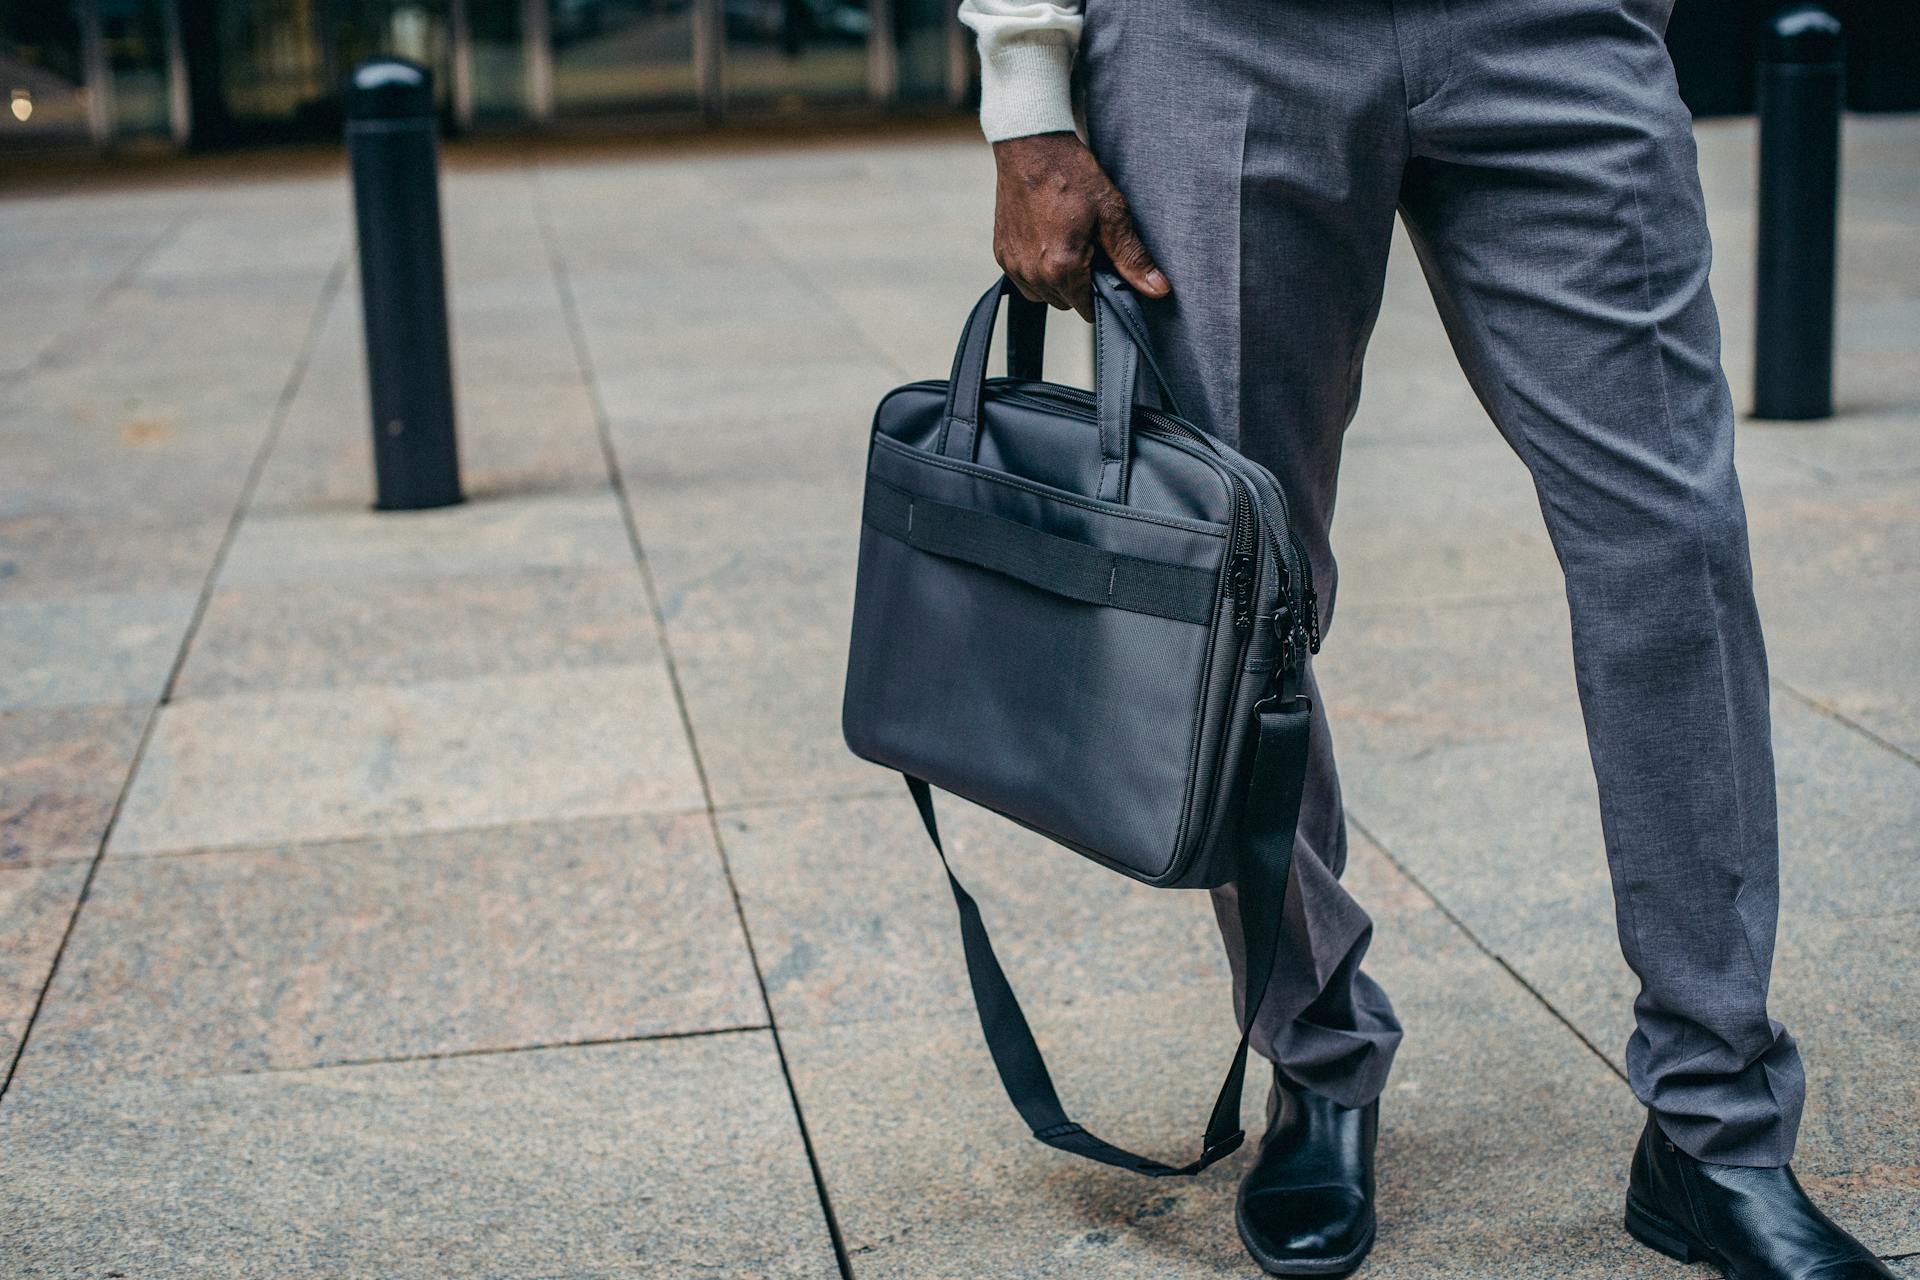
{"type": "Point", "coordinates": [486, 892]}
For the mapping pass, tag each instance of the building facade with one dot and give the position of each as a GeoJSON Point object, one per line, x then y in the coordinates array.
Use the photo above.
{"type": "Point", "coordinates": [219, 72]}
{"type": "Point", "coordinates": [210, 73]}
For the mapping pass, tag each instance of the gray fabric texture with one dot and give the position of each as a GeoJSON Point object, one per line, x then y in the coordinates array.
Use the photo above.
{"type": "Point", "coordinates": [1543, 164]}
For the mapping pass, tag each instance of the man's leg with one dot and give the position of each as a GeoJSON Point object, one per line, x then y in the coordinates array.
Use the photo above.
{"type": "Point", "coordinates": [1553, 198]}
{"type": "Point", "coordinates": [1260, 147]}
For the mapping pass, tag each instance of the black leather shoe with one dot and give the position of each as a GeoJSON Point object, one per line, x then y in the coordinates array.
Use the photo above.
{"type": "Point", "coordinates": [1753, 1224]}
{"type": "Point", "coordinates": [1306, 1206]}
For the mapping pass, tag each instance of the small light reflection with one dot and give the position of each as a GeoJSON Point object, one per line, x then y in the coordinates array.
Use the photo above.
{"type": "Point", "coordinates": [22, 105]}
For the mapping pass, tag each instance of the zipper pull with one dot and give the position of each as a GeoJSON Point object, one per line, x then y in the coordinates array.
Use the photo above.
{"type": "Point", "coordinates": [1240, 582]}
{"type": "Point", "coordinates": [1313, 621]}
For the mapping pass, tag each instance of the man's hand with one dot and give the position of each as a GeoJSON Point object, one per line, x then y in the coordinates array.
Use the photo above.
{"type": "Point", "coordinates": [1053, 206]}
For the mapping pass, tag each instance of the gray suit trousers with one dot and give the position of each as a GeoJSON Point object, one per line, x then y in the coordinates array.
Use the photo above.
{"type": "Point", "coordinates": [1544, 166]}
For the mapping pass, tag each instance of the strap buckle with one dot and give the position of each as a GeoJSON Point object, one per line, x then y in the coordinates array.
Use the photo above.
{"type": "Point", "coordinates": [1281, 701]}
{"type": "Point", "coordinates": [1213, 1151]}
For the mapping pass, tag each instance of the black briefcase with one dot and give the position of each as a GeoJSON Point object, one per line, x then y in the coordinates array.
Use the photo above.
{"type": "Point", "coordinates": [1088, 615]}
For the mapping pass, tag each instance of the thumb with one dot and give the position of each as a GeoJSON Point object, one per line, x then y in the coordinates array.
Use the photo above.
{"type": "Point", "coordinates": [1129, 254]}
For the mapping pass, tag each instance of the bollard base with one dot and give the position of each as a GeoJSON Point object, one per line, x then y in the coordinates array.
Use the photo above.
{"type": "Point", "coordinates": [381, 504]}
{"type": "Point", "coordinates": [1773, 414]}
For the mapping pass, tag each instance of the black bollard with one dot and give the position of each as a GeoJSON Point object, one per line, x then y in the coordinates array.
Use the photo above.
{"type": "Point", "coordinates": [394, 156]}
{"type": "Point", "coordinates": [1802, 87]}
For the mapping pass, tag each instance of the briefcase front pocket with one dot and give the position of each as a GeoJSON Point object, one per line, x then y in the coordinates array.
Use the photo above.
{"type": "Point", "coordinates": [1054, 658]}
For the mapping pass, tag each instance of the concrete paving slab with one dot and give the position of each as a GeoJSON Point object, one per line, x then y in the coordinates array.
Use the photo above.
{"type": "Point", "coordinates": [334, 634]}
{"type": "Point", "coordinates": [1819, 533]}
{"type": "Point", "coordinates": [58, 309]}
{"type": "Point", "coordinates": [507, 335]}
{"type": "Point", "coordinates": [527, 440]}
{"type": "Point", "coordinates": [249, 241]}
{"type": "Point", "coordinates": [266, 768]}
{"type": "Point", "coordinates": [769, 729]}
{"type": "Point", "coordinates": [139, 461]}
{"type": "Point", "coordinates": [1508, 836]}
{"type": "Point", "coordinates": [755, 566]}
{"type": "Point", "coordinates": [1403, 679]}
{"type": "Point", "coordinates": [1844, 988]}
{"type": "Point", "coordinates": [695, 410]}
{"type": "Point", "coordinates": [708, 317]}
{"type": "Point", "coordinates": [410, 946]}
{"type": "Point", "coordinates": [913, 326]}
{"type": "Point", "coordinates": [657, 1159]}
{"type": "Point", "coordinates": [1860, 655]}
{"type": "Point", "coordinates": [58, 244]}
{"type": "Point", "coordinates": [959, 1189]}
{"type": "Point", "coordinates": [61, 770]}
{"type": "Point", "coordinates": [558, 531]}
{"type": "Point", "coordinates": [36, 905]}
{"type": "Point", "coordinates": [196, 347]}
{"type": "Point", "coordinates": [523, 415]}
{"type": "Point", "coordinates": [47, 556]}
{"type": "Point", "coordinates": [1873, 440]}
{"type": "Point", "coordinates": [600, 231]}
{"type": "Point", "coordinates": [1424, 524]}
{"type": "Point", "coordinates": [1849, 819]}
{"type": "Point", "coordinates": [755, 582]}
{"type": "Point", "coordinates": [774, 482]}
{"type": "Point", "coordinates": [1066, 929]}
{"type": "Point", "coordinates": [87, 649]}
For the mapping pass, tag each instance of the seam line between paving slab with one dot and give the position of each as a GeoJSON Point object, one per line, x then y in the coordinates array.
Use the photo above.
{"type": "Point", "coordinates": [48, 356]}
{"type": "Point", "coordinates": [1528, 987]}
{"type": "Point", "coordinates": [305, 844]}
{"type": "Point", "coordinates": [576, 331]}
{"type": "Point", "coordinates": [297, 375]}
{"type": "Point", "coordinates": [485, 1051]}
{"type": "Point", "coordinates": [1468, 933]}
{"type": "Point", "coordinates": [1822, 707]}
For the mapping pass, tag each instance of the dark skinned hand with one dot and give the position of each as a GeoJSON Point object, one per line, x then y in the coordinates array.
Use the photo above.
{"type": "Point", "coordinates": [1054, 206]}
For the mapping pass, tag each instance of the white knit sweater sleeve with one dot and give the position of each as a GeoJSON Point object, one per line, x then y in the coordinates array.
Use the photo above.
{"type": "Point", "coordinates": [1026, 64]}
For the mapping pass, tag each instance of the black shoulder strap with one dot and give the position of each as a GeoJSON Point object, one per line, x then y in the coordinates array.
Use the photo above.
{"type": "Point", "coordinates": [1272, 810]}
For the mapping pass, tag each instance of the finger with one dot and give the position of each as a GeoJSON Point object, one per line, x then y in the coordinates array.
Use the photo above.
{"type": "Point", "coordinates": [1027, 290]}
{"type": "Point", "coordinates": [1129, 253]}
{"type": "Point", "coordinates": [1069, 277]}
{"type": "Point", "coordinates": [1055, 289]}
{"type": "Point", "coordinates": [1079, 295]}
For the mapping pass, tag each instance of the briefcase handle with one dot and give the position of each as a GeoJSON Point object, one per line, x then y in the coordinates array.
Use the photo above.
{"type": "Point", "coordinates": [1121, 349]}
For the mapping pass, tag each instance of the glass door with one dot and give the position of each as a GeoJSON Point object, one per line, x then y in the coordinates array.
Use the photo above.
{"type": "Point", "coordinates": [282, 62]}
{"type": "Point", "coordinates": [136, 37]}
{"type": "Point", "coordinates": [789, 54]}
{"type": "Point", "coordinates": [622, 55]}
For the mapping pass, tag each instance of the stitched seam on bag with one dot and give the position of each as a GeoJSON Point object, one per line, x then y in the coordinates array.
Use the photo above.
{"type": "Point", "coordinates": [1056, 495]}
{"type": "Point", "coordinates": [1199, 732]}
{"type": "Point", "coordinates": [1103, 365]}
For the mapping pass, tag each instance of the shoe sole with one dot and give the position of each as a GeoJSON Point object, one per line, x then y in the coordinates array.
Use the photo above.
{"type": "Point", "coordinates": [1662, 1236]}
{"type": "Point", "coordinates": [1322, 1267]}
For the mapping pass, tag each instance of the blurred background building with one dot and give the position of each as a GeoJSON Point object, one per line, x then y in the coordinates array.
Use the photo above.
{"type": "Point", "coordinates": [217, 73]}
